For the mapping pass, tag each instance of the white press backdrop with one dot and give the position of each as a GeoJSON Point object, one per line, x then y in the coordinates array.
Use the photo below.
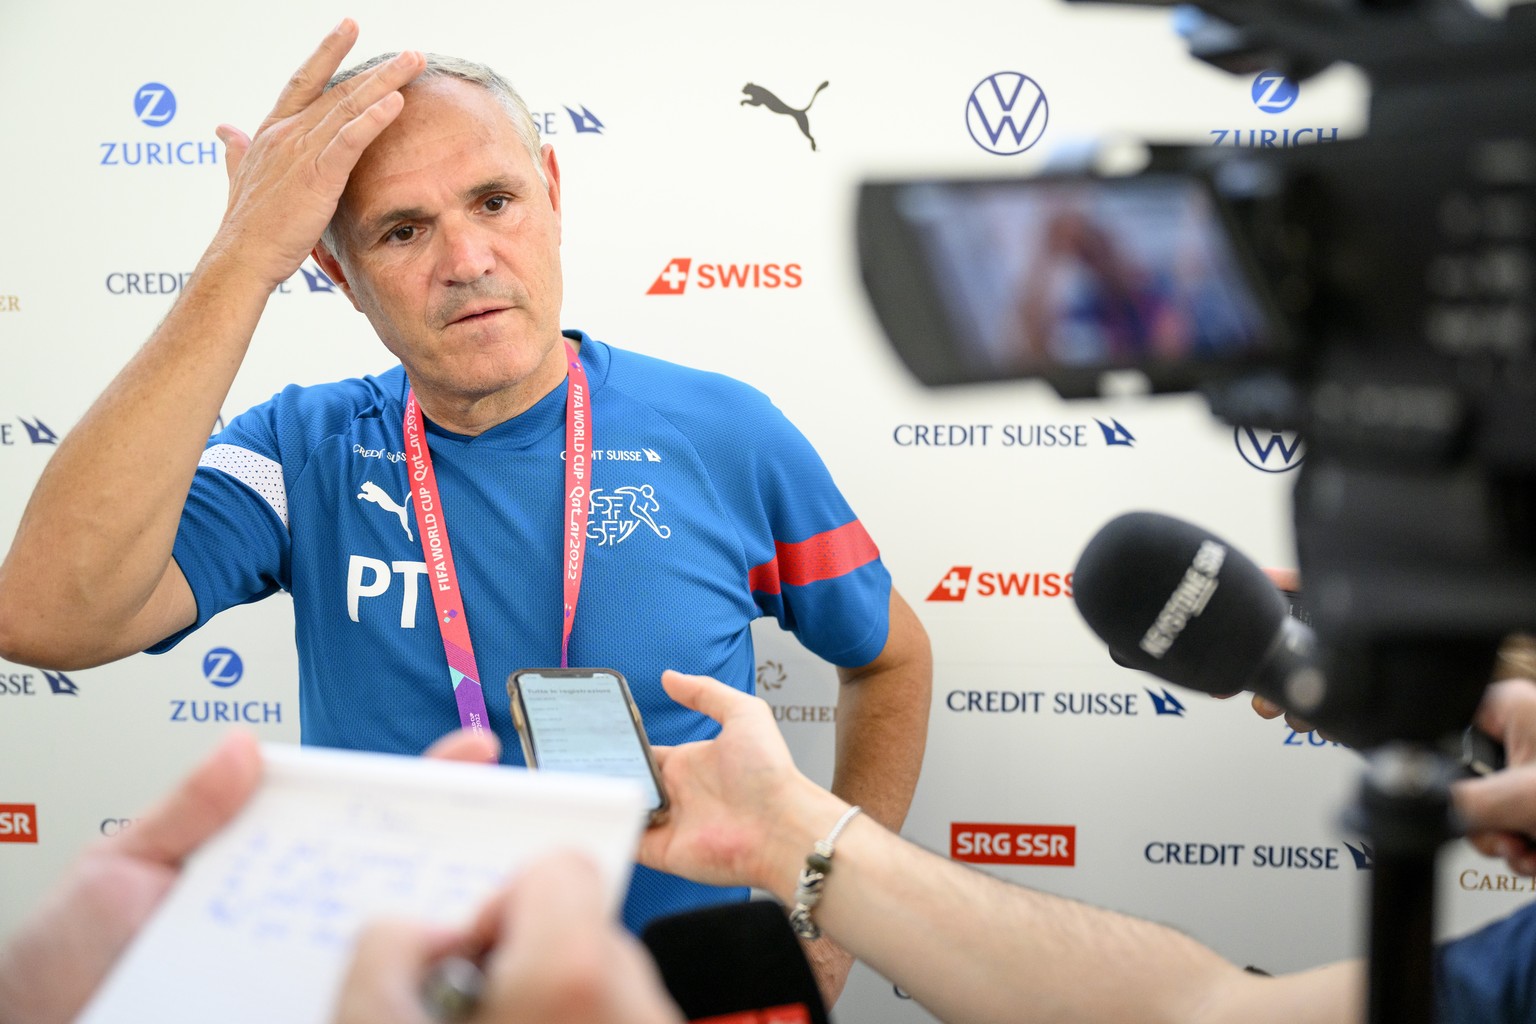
{"type": "Point", "coordinates": [102, 226]}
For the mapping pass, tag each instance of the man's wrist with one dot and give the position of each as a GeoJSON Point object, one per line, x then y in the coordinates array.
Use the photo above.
{"type": "Point", "coordinates": [809, 814]}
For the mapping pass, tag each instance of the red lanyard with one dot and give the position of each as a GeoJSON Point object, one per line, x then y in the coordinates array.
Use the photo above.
{"type": "Point", "coordinates": [443, 578]}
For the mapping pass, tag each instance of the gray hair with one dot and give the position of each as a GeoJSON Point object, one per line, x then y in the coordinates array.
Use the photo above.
{"type": "Point", "coordinates": [440, 66]}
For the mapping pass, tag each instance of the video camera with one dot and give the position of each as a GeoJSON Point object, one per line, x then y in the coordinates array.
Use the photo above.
{"type": "Point", "coordinates": [1376, 294]}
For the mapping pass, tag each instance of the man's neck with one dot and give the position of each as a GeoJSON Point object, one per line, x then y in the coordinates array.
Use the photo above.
{"type": "Point", "coordinates": [473, 415]}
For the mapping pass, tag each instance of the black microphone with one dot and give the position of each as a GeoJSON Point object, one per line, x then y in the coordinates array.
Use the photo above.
{"type": "Point", "coordinates": [740, 960]}
{"type": "Point", "coordinates": [1173, 599]}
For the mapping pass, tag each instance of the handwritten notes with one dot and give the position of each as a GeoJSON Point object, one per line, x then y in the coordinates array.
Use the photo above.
{"type": "Point", "coordinates": [260, 926]}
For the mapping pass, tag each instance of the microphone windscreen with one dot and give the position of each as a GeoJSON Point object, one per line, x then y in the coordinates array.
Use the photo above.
{"type": "Point", "coordinates": [733, 958]}
{"type": "Point", "coordinates": [1174, 600]}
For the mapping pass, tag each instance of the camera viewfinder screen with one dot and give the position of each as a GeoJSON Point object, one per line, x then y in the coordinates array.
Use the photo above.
{"type": "Point", "coordinates": [1082, 273]}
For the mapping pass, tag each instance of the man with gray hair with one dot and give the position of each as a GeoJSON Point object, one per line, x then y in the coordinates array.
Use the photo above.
{"type": "Point", "coordinates": [441, 215]}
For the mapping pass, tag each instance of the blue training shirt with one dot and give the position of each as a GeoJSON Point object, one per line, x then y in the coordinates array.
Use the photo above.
{"type": "Point", "coordinates": [708, 509]}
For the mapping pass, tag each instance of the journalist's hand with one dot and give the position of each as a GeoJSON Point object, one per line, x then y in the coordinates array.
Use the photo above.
{"type": "Point", "coordinates": [1500, 809]}
{"type": "Point", "coordinates": [741, 813]}
{"type": "Point", "coordinates": [54, 963]}
{"type": "Point", "coordinates": [285, 182]}
{"type": "Point", "coordinates": [552, 955]}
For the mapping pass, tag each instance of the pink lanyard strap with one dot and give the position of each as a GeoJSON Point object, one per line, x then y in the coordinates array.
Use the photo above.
{"type": "Point", "coordinates": [432, 528]}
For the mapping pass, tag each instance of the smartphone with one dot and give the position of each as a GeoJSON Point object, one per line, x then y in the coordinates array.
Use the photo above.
{"type": "Point", "coordinates": [584, 720]}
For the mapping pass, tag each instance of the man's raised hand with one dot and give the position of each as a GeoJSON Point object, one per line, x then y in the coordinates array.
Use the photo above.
{"type": "Point", "coordinates": [285, 182]}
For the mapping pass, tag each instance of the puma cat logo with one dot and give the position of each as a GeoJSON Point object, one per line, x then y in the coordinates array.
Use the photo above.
{"type": "Point", "coordinates": [757, 96]}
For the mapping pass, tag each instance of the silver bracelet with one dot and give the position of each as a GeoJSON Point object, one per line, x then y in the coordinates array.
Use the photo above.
{"type": "Point", "coordinates": [818, 865]}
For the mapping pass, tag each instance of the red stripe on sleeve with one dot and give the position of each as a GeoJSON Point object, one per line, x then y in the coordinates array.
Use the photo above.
{"type": "Point", "coordinates": [822, 557]}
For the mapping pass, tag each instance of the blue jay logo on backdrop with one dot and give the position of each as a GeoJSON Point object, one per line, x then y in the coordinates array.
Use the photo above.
{"type": "Point", "coordinates": [1007, 113]}
{"type": "Point", "coordinates": [581, 120]}
{"type": "Point", "coordinates": [1274, 93]}
{"type": "Point", "coordinates": [154, 104]}
{"type": "Point", "coordinates": [222, 667]}
{"type": "Point", "coordinates": [758, 96]}
{"type": "Point", "coordinates": [1165, 703]}
{"type": "Point", "coordinates": [36, 431]}
{"type": "Point", "coordinates": [24, 684]}
{"type": "Point", "coordinates": [154, 107]}
{"type": "Point", "coordinates": [1115, 433]}
{"type": "Point", "coordinates": [1269, 451]}
{"type": "Point", "coordinates": [1363, 856]}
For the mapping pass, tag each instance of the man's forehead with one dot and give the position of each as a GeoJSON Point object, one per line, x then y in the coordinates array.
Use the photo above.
{"type": "Point", "coordinates": [448, 129]}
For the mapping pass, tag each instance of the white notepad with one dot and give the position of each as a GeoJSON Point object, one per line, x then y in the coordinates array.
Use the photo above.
{"type": "Point", "coordinates": [260, 926]}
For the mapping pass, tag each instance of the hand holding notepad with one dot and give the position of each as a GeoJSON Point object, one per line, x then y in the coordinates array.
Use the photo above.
{"type": "Point", "coordinates": [259, 928]}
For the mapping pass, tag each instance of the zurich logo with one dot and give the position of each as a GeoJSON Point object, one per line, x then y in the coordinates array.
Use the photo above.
{"type": "Point", "coordinates": [154, 104]}
{"type": "Point", "coordinates": [223, 667]}
{"type": "Point", "coordinates": [1269, 451]}
{"type": "Point", "coordinates": [1007, 113]}
{"type": "Point", "coordinates": [1273, 93]}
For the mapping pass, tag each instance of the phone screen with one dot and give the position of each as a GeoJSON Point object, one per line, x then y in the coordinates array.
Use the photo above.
{"type": "Point", "coordinates": [582, 722]}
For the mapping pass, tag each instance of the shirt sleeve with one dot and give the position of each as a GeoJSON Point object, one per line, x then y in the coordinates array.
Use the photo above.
{"type": "Point", "coordinates": [1489, 976]}
{"type": "Point", "coordinates": [814, 566]}
{"type": "Point", "coordinates": [233, 543]}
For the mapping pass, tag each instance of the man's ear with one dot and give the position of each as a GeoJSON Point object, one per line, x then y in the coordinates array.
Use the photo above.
{"type": "Point", "coordinates": [551, 175]}
{"type": "Point", "coordinates": [332, 267]}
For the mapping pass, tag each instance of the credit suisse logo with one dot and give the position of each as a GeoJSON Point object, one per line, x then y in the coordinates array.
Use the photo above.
{"type": "Point", "coordinates": [957, 583]}
{"type": "Point", "coordinates": [1006, 113]}
{"type": "Point", "coordinates": [1276, 856]}
{"type": "Point", "coordinates": [1111, 432]}
{"type": "Point", "coordinates": [155, 107]}
{"type": "Point", "coordinates": [169, 282]}
{"type": "Point", "coordinates": [37, 432]}
{"type": "Point", "coordinates": [1037, 845]}
{"type": "Point", "coordinates": [681, 271]}
{"type": "Point", "coordinates": [18, 823]}
{"type": "Point", "coordinates": [582, 120]}
{"type": "Point", "coordinates": [1034, 703]}
{"type": "Point", "coordinates": [27, 684]}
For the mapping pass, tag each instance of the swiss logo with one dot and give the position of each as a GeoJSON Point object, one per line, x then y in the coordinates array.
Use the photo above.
{"type": "Point", "coordinates": [680, 271]}
{"type": "Point", "coordinates": [952, 587]}
{"type": "Point", "coordinates": [673, 278]}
